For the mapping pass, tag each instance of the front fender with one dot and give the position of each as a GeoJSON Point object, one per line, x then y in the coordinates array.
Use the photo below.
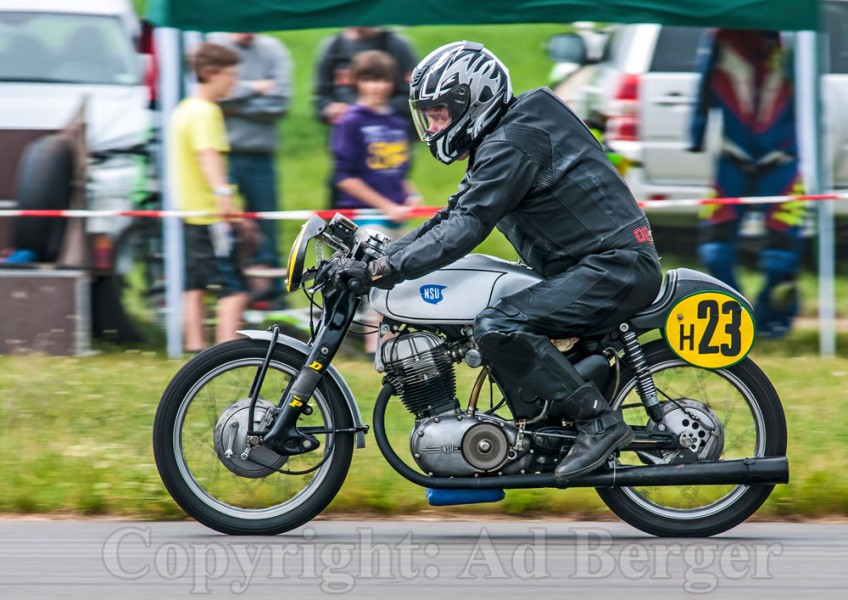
{"type": "Point", "coordinates": [333, 373]}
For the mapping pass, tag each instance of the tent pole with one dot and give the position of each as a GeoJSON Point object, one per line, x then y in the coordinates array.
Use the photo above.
{"type": "Point", "coordinates": [170, 53]}
{"type": "Point", "coordinates": [808, 67]}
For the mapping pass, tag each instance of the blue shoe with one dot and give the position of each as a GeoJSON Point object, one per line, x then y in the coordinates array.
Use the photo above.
{"type": "Point", "coordinates": [21, 257]}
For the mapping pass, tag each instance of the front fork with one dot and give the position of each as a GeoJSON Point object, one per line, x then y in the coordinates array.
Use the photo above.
{"type": "Point", "coordinates": [283, 437]}
{"type": "Point", "coordinates": [645, 385]}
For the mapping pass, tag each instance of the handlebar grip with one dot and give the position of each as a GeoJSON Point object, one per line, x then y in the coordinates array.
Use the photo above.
{"type": "Point", "coordinates": [355, 286]}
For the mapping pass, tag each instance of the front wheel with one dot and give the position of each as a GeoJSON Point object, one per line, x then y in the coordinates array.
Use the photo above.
{"type": "Point", "coordinates": [721, 414]}
{"type": "Point", "coordinates": [199, 435]}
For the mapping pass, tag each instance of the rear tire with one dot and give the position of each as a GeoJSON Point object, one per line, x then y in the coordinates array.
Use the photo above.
{"type": "Point", "coordinates": [206, 488]}
{"type": "Point", "coordinates": [754, 425]}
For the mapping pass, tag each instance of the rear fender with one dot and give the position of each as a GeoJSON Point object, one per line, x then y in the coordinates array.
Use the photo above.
{"type": "Point", "coordinates": [678, 284]}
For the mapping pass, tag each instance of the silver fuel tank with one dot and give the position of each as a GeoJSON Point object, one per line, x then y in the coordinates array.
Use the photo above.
{"type": "Point", "coordinates": [456, 294]}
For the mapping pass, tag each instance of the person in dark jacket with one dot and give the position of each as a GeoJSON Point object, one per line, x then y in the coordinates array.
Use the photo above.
{"type": "Point", "coordinates": [537, 174]}
{"type": "Point", "coordinates": [335, 90]}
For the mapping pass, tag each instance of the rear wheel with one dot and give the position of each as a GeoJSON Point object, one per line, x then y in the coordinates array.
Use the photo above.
{"type": "Point", "coordinates": [203, 414]}
{"type": "Point", "coordinates": [728, 413]}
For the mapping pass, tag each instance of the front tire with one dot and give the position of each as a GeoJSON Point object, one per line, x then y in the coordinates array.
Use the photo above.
{"type": "Point", "coordinates": [191, 468]}
{"type": "Point", "coordinates": [753, 423]}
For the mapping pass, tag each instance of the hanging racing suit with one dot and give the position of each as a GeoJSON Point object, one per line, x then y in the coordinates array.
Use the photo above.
{"type": "Point", "coordinates": [747, 75]}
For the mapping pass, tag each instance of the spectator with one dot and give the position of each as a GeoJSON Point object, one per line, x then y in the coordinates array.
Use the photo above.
{"type": "Point", "coordinates": [747, 75]}
{"type": "Point", "coordinates": [252, 112]}
{"type": "Point", "coordinates": [370, 146]}
{"type": "Point", "coordinates": [199, 148]}
{"type": "Point", "coordinates": [335, 91]}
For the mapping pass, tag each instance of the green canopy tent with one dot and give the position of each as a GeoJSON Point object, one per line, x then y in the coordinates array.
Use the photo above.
{"type": "Point", "coordinates": [269, 15]}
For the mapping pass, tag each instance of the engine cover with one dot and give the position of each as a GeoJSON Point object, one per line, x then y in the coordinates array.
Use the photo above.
{"type": "Point", "coordinates": [452, 444]}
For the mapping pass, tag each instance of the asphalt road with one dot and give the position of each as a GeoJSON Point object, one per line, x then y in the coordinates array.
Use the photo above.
{"type": "Point", "coordinates": [418, 559]}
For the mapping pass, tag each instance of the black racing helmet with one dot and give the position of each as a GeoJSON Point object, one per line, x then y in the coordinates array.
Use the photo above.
{"type": "Point", "coordinates": [472, 88]}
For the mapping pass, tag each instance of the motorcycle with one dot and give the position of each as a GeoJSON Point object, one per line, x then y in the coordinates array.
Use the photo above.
{"type": "Point", "coordinates": [256, 435]}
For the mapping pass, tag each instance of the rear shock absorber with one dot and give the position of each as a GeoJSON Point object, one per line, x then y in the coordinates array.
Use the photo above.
{"type": "Point", "coordinates": [644, 382]}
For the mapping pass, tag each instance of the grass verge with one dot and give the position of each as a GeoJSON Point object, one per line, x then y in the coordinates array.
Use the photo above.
{"type": "Point", "coordinates": [76, 439]}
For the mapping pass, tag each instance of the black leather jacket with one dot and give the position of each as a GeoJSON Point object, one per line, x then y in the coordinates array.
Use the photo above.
{"type": "Point", "coordinates": [544, 181]}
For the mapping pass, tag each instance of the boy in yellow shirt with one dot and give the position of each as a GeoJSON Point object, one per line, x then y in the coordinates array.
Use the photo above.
{"type": "Point", "coordinates": [199, 145]}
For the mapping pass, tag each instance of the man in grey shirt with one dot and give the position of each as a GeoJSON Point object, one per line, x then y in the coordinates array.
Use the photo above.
{"type": "Point", "coordinates": [252, 112]}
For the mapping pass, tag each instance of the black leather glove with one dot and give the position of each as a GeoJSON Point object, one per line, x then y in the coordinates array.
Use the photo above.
{"type": "Point", "coordinates": [381, 274]}
{"type": "Point", "coordinates": [358, 275]}
{"type": "Point", "coordinates": [350, 272]}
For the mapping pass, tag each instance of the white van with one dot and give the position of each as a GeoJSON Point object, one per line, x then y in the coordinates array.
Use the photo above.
{"type": "Point", "coordinates": [643, 92]}
{"type": "Point", "coordinates": [75, 126]}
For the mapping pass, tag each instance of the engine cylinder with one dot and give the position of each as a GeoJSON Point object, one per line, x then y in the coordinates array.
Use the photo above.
{"type": "Point", "coordinates": [420, 368]}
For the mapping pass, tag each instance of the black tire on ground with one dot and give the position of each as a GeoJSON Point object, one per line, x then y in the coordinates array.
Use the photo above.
{"type": "Point", "coordinates": [44, 182]}
{"type": "Point", "coordinates": [197, 478]}
{"type": "Point", "coordinates": [720, 508]}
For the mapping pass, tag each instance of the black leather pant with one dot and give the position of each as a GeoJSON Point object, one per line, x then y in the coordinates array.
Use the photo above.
{"type": "Point", "coordinates": [593, 297]}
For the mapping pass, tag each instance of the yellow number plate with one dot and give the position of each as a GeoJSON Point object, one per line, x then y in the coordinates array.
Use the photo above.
{"type": "Point", "coordinates": [710, 330]}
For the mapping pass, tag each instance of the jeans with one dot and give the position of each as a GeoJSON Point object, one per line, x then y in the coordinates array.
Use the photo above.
{"type": "Point", "coordinates": [256, 178]}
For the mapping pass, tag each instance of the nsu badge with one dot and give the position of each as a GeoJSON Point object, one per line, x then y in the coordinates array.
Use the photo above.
{"type": "Point", "coordinates": [432, 293]}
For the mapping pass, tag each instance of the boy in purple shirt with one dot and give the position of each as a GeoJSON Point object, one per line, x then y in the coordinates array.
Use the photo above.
{"type": "Point", "coordinates": [371, 145]}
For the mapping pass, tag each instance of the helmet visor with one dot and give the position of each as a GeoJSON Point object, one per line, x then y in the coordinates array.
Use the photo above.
{"type": "Point", "coordinates": [430, 121]}
{"type": "Point", "coordinates": [432, 116]}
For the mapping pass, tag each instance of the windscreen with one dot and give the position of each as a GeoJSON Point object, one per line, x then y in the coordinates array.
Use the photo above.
{"type": "Point", "coordinates": [836, 25]}
{"type": "Point", "coordinates": [676, 50]}
{"type": "Point", "coordinates": [66, 48]}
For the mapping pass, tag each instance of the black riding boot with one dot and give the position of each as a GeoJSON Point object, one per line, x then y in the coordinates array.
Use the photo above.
{"type": "Point", "coordinates": [600, 431]}
{"type": "Point", "coordinates": [536, 369]}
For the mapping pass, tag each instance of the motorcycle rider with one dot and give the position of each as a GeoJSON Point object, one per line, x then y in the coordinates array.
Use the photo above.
{"type": "Point", "coordinates": [537, 174]}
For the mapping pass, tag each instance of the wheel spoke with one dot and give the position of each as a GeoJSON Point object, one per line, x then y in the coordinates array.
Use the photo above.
{"type": "Point", "coordinates": [213, 479]}
{"type": "Point", "coordinates": [200, 437]}
{"type": "Point", "coordinates": [729, 399]}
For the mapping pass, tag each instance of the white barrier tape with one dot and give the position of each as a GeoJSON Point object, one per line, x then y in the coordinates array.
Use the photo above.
{"type": "Point", "coordinates": [370, 213]}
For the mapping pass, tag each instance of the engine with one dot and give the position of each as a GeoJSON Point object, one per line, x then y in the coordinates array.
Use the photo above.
{"type": "Point", "coordinates": [418, 366]}
{"type": "Point", "coordinates": [446, 441]}
{"type": "Point", "coordinates": [453, 444]}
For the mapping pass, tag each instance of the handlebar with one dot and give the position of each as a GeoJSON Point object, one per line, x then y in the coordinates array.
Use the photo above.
{"type": "Point", "coordinates": [322, 279]}
{"type": "Point", "coordinates": [355, 287]}
{"type": "Point", "coordinates": [341, 235]}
